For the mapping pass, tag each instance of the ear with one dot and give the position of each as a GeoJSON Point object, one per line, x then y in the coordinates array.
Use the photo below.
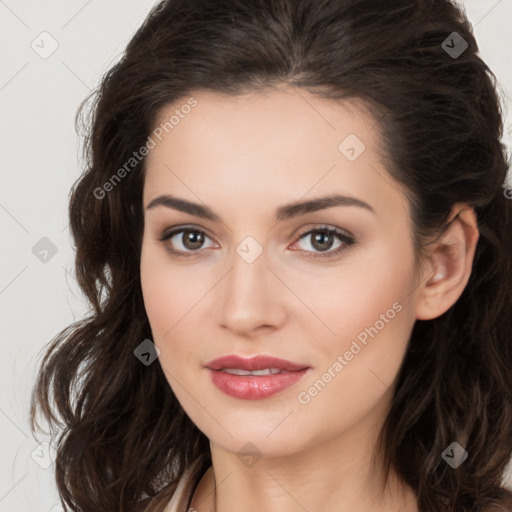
{"type": "Point", "coordinates": [449, 264]}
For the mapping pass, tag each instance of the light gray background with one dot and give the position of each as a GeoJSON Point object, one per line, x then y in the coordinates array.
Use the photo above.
{"type": "Point", "coordinates": [40, 161]}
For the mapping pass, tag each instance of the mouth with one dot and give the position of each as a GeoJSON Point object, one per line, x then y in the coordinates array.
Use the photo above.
{"type": "Point", "coordinates": [239, 371]}
{"type": "Point", "coordinates": [255, 378]}
{"type": "Point", "coordinates": [254, 364]}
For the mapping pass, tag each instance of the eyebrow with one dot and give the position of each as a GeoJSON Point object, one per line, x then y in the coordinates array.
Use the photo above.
{"type": "Point", "coordinates": [282, 213]}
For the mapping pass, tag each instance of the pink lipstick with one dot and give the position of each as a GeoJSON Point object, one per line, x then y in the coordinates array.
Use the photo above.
{"type": "Point", "coordinates": [255, 378]}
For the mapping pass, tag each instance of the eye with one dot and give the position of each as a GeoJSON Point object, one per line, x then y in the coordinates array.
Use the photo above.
{"type": "Point", "coordinates": [326, 242]}
{"type": "Point", "coordinates": [184, 240]}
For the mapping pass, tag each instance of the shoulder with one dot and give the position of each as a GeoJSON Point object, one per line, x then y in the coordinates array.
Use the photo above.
{"type": "Point", "coordinates": [183, 492]}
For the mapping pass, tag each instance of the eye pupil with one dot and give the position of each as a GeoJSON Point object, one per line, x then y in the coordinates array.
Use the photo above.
{"type": "Point", "coordinates": [322, 241]}
{"type": "Point", "coordinates": [193, 239]}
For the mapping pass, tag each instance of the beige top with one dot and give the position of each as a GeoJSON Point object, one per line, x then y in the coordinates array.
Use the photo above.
{"type": "Point", "coordinates": [184, 492]}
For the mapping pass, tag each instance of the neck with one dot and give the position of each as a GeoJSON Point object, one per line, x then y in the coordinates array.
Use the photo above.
{"type": "Point", "coordinates": [336, 475]}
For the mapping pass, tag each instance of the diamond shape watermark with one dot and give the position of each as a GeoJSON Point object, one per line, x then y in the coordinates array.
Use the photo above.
{"type": "Point", "coordinates": [44, 250]}
{"type": "Point", "coordinates": [249, 249]}
{"type": "Point", "coordinates": [249, 455]}
{"type": "Point", "coordinates": [44, 45]}
{"type": "Point", "coordinates": [454, 455]}
{"type": "Point", "coordinates": [146, 352]}
{"type": "Point", "coordinates": [44, 455]}
{"type": "Point", "coordinates": [351, 147]}
{"type": "Point", "coordinates": [454, 45]}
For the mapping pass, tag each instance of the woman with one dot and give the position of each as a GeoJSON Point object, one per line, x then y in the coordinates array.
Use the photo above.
{"type": "Point", "coordinates": [293, 234]}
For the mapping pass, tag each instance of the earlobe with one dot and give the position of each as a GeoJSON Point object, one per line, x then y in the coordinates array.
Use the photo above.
{"type": "Point", "coordinates": [449, 266]}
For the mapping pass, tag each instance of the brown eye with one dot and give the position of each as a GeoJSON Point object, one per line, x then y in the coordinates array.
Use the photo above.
{"type": "Point", "coordinates": [192, 239]}
{"type": "Point", "coordinates": [329, 241]}
{"type": "Point", "coordinates": [322, 241]}
{"type": "Point", "coordinates": [183, 240]}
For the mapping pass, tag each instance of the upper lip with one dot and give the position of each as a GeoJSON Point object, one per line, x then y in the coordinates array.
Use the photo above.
{"type": "Point", "coordinates": [253, 363]}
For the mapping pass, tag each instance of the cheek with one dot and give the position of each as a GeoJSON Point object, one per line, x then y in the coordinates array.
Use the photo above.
{"type": "Point", "coordinates": [174, 298]}
{"type": "Point", "coordinates": [164, 310]}
{"type": "Point", "coordinates": [158, 302]}
{"type": "Point", "coordinates": [369, 312]}
{"type": "Point", "coordinates": [355, 373]}
{"type": "Point", "coordinates": [365, 299]}
{"type": "Point", "coordinates": [169, 291]}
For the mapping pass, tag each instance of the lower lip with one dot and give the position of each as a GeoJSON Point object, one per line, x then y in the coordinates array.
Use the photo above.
{"type": "Point", "coordinates": [254, 387]}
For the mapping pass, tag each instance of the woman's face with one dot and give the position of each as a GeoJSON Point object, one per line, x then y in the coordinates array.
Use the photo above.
{"type": "Point", "coordinates": [255, 273]}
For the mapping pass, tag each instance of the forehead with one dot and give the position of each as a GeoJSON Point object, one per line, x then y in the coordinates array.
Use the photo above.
{"type": "Point", "coordinates": [278, 119]}
{"type": "Point", "coordinates": [270, 146]}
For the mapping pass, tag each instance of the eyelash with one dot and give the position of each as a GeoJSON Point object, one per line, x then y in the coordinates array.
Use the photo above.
{"type": "Point", "coordinates": [348, 241]}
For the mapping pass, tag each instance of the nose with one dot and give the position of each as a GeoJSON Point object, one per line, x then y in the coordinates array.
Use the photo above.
{"type": "Point", "coordinates": [251, 299]}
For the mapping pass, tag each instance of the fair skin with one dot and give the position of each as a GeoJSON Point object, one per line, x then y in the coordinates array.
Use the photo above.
{"type": "Point", "coordinates": [243, 157]}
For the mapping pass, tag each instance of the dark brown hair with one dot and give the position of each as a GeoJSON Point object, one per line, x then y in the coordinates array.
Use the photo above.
{"type": "Point", "coordinates": [120, 432]}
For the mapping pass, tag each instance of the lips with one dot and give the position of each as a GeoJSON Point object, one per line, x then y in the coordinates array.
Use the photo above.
{"type": "Point", "coordinates": [254, 363]}
{"type": "Point", "coordinates": [255, 378]}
